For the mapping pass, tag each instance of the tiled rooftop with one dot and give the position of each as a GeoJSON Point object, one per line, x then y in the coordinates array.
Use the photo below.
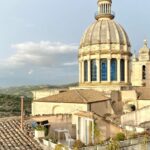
{"type": "Point", "coordinates": [76, 96]}
{"type": "Point", "coordinates": [12, 138]}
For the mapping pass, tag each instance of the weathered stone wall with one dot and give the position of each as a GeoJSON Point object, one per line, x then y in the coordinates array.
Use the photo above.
{"type": "Point", "coordinates": [133, 144]}
{"type": "Point", "coordinates": [148, 74]}
{"type": "Point", "coordinates": [102, 108]}
{"type": "Point", "coordinates": [44, 93]}
{"type": "Point", "coordinates": [136, 118]}
{"type": "Point", "coordinates": [40, 108]}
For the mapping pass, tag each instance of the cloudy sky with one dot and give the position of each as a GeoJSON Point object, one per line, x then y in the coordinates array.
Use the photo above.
{"type": "Point", "coordinates": [39, 38]}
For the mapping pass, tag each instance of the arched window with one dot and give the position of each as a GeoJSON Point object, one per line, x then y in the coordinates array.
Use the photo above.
{"type": "Point", "coordinates": [93, 70]}
{"type": "Point", "coordinates": [85, 70]}
{"type": "Point", "coordinates": [143, 72]}
{"type": "Point", "coordinates": [122, 70]}
{"type": "Point", "coordinates": [113, 69]}
{"type": "Point", "coordinates": [103, 64]}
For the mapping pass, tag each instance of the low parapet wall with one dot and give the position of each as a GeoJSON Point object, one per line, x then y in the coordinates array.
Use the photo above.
{"type": "Point", "coordinates": [136, 118]}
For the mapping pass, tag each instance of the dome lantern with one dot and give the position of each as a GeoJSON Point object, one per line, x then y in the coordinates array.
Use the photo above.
{"type": "Point", "coordinates": [104, 10]}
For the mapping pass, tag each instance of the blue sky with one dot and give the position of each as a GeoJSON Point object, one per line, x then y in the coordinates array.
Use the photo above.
{"type": "Point", "coordinates": [39, 38]}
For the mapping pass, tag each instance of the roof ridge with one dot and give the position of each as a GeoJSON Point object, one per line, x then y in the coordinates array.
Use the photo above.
{"type": "Point", "coordinates": [81, 96]}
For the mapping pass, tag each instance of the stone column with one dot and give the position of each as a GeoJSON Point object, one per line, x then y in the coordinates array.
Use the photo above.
{"type": "Point", "coordinates": [118, 70]}
{"type": "Point", "coordinates": [126, 70]}
{"type": "Point", "coordinates": [80, 72]}
{"type": "Point", "coordinates": [89, 70]}
{"type": "Point", "coordinates": [98, 69]}
{"type": "Point", "coordinates": [93, 132]}
{"type": "Point", "coordinates": [108, 69]}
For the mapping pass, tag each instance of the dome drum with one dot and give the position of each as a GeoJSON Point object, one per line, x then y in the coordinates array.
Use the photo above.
{"type": "Point", "coordinates": [104, 70]}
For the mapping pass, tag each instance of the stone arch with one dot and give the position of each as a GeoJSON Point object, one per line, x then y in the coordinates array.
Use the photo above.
{"type": "Point", "coordinates": [129, 106]}
{"type": "Point", "coordinates": [57, 109]}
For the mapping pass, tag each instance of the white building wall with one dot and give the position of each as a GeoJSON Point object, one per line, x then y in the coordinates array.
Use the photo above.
{"type": "Point", "coordinates": [136, 76]}
{"type": "Point", "coordinates": [40, 108]}
{"type": "Point", "coordinates": [44, 93]}
{"type": "Point", "coordinates": [136, 118]}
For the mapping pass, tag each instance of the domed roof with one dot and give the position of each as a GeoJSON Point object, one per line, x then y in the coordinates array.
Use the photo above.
{"type": "Point", "coordinates": [104, 31]}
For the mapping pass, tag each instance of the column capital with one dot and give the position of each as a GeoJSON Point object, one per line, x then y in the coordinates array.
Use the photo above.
{"type": "Point", "coordinates": [119, 58]}
{"type": "Point", "coordinates": [126, 58]}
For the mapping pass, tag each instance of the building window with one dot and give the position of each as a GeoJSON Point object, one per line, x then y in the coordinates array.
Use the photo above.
{"type": "Point", "coordinates": [113, 69]}
{"type": "Point", "coordinates": [93, 70]}
{"type": "Point", "coordinates": [85, 70]}
{"type": "Point", "coordinates": [122, 70]}
{"type": "Point", "coordinates": [143, 72]}
{"type": "Point", "coordinates": [103, 65]}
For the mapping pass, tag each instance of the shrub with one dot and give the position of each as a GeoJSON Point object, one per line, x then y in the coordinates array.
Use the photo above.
{"type": "Point", "coordinates": [132, 135]}
{"type": "Point", "coordinates": [120, 137]}
{"type": "Point", "coordinates": [39, 128]}
{"type": "Point", "coordinates": [113, 145]}
{"type": "Point", "coordinates": [54, 140]}
{"type": "Point", "coordinates": [60, 147]}
{"type": "Point", "coordinates": [78, 144]}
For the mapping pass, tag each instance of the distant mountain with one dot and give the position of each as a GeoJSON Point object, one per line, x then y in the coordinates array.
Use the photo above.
{"type": "Point", "coordinates": [26, 90]}
{"type": "Point", "coordinates": [10, 98]}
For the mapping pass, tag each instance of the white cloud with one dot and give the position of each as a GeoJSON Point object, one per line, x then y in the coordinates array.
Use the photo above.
{"type": "Point", "coordinates": [42, 62]}
{"type": "Point", "coordinates": [70, 63]}
{"type": "Point", "coordinates": [42, 54]}
{"type": "Point", "coordinates": [30, 72]}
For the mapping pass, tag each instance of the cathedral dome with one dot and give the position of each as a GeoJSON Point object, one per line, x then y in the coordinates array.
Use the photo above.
{"type": "Point", "coordinates": [104, 31]}
{"type": "Point", "coordinates": [104, 52]}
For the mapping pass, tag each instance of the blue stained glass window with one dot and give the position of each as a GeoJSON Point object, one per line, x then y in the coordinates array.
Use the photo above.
{"type": "Point", "coordinates": [122, 71]}
{"type": "Point", "coordinates": [103, 69]}
{"type": "Point", "coordinates": [85, 71]}
{"type": "Point", "coordinates": [113, 69]}
{"type": "Point", "coordinates": [93, 70]}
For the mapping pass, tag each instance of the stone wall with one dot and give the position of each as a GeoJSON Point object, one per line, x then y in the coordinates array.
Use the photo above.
{"type": "Point", "coordinates": [40, 108]}
{"type": "Point", "coordinates": [132, 144]}
{"type": "Point", "coordinates": [136, 118]}
{"type": "Point", "coordinates": [148, 75]}
{"type": "Point", "coordinates": [44, 93]}
{"type": "Point", "coordinates": [102, 108]}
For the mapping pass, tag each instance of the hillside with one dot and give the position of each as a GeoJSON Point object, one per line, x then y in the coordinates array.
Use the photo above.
{"type": "Point", "coordinates": [10, 105]}
{"type": "Point", "coordinates": [10, 98]}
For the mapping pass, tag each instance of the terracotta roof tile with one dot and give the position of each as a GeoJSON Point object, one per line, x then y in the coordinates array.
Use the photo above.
{"type": "Point", "coordinates": [12, 138]}
{"type": "Point", "coordinates": [76, 96]}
